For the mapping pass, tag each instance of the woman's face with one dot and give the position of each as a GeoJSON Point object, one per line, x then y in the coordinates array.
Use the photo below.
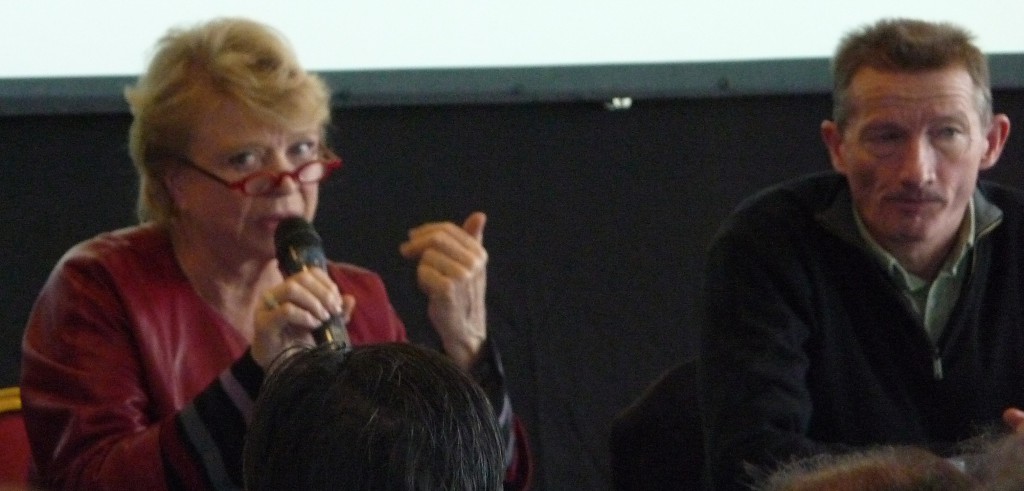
{"type": "Point", "coordinates": [231, 144]}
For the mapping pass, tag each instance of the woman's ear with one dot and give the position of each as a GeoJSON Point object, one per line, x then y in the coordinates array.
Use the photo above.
{"type": "Point", "coordinates": [174, 183]}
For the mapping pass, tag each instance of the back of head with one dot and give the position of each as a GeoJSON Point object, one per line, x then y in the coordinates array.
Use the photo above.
{"type": "Point", "coordinates": [881, 469]}
{"type": "Point", "coordinates": [194, 69]}
{"type": "Point", "coordinates": [381, 417]}
{"type": "Point", "coordinates": [907, 45]}
{"type": "Point", "coordinates": [1000, 466]}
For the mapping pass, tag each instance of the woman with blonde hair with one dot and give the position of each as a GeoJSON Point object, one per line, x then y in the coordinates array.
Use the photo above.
{"type": "Point", "coordinates": [147, 345]}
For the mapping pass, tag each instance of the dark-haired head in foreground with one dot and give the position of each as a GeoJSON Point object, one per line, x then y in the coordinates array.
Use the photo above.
{"type": "Point", "coordinates": [382, 417]}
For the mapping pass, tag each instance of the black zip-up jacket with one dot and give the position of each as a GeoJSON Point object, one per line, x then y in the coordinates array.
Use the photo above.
{"type": "Point", "coordinates": [808, 346]}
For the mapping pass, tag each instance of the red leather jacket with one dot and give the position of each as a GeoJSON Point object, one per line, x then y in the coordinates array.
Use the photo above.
{"type": "Point", "coordinates": [131, 381]}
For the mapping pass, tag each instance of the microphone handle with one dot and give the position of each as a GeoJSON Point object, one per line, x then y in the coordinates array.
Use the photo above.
{"type": "Point", "coordinates": [332, 331]}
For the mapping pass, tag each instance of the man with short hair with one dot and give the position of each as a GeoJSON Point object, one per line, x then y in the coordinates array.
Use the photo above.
{"type": "Point", "coordinates": [882, 303]}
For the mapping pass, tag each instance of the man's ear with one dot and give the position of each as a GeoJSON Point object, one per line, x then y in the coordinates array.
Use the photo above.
{"type": "Point", "coordinates": [832, 136]}
{"type": "Point", "coordinates": [996, 137]}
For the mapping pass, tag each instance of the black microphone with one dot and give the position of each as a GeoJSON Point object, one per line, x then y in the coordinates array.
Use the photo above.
{"type": "Point", "coordinates": [299, 247]}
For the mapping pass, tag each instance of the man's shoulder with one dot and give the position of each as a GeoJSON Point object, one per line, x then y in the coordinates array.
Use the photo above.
{"type": "Point", "coordinates": [1001, 204]}
{"type": "Point", "coordinates": [802, 196]}
{"type": "Point", "coordinates": [783, 212]}
{"type": "Point", "coordinates": [1002, 195]}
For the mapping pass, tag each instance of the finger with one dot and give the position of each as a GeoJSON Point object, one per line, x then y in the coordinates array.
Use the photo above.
{"type": "Point", "coordinates": [453, 266]}
{"type": "Point", "coordinates": [280, 315]}
{"type": "Point", "coordinates": [450, 250]}
{"type": "Point", "coordinates": [301, 318]}
{"type": "Point", "coordinates": [274, 333]}
{"type": "Point", "coordinates": [327, 291]}
{"type": "Point", "coordinates": [471, 230]}
{"type": "Point", "coordinates": [309, 291]}
{"type": "Point", "coordinates": [284, 323]}
{"type": "Point", "coordinates": [1014, 418]}
{"type": "Point", "coordinates": [474, 225]}
{"type": "Point", "coordinates": [421, 237]}
{"type": "Point", "coordinates": [428, 228]}
{"type": "Point", "coordinates": [451, 241]}
{"type": "Point", "coordinates": [418, 235]}
{"type": "Point", "coordinates": [348, 306]}
{"type": "Point", "coordinates": [434, 283]}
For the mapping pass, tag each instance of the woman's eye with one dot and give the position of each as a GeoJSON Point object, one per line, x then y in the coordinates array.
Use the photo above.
{"type": "Point", "coordinates": [245, 161]}
{"type": "Point", "coordinates": [304, 150]}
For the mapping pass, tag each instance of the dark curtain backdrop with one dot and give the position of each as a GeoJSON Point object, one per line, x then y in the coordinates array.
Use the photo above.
{"type": "Point", "coordinates": [597, 225]}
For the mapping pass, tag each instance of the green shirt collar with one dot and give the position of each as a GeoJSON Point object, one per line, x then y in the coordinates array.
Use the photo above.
{"type": "Point", "coordinates": [964, 243]}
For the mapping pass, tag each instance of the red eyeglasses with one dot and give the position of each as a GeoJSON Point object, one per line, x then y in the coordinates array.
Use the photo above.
{"type": "Point", "coordinates": [262, 182]}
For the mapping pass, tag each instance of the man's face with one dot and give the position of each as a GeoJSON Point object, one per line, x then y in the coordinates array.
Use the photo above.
{"type": "Point", "coordinates": [911, 150]}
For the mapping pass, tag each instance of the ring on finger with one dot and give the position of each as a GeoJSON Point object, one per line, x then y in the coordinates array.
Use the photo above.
{"type": "Point", "coordinates": [269, 302]}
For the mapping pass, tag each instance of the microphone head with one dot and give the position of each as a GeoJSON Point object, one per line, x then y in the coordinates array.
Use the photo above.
{"type": "Point", "coordinates": [295, 229]}
{"type": "Point", "coordinates": [298, 246]}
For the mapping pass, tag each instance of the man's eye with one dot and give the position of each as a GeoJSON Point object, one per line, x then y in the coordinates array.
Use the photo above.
{"type": "Point", "coordinates": [947, 132]}
{"type": "Point", "coordinates": [886, 140]}
{"type": "Point", "coordinates": [883, 137]}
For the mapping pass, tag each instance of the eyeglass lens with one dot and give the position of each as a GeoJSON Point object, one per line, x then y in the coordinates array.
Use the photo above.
{"type": "Point", "coordinates": [262, 182]}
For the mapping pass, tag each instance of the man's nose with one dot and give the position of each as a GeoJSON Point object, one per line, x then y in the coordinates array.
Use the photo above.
{"type": "Point", "coordinates": [919, 162]}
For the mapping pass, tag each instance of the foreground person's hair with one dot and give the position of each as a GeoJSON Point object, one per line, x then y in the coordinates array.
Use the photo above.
{"type": "Point", "coordinates": [382, 417]}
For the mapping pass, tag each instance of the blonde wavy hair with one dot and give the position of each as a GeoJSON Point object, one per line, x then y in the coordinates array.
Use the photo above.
{"type": "Point", "coordinates": [233, 59]}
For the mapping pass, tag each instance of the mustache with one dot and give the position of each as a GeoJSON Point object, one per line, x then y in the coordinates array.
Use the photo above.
{"type": "Point", "coordinates": [915, 196]}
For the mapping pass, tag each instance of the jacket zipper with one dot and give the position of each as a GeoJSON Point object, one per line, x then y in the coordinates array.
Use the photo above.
{"type": "Point", "coordinates": [937, 371]}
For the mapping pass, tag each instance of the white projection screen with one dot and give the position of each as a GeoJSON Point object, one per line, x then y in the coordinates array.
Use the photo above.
{"type": "Point", "coordinates": [465, 50]}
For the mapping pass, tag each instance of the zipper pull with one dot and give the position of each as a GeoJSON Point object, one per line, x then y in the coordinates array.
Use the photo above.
{"type": "Point", "coordinates": [937, 366]}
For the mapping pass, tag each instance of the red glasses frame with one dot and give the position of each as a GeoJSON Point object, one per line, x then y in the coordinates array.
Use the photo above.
{"type": "Point", "coordinates": [252, 185]}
